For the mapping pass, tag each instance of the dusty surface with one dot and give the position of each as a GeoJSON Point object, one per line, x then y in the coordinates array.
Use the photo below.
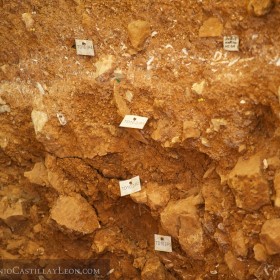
{"type": "Point", "coordinates": [208, 158]}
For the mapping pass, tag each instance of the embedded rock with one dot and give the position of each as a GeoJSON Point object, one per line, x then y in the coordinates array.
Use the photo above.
{"type": "Point", "coordinates": [277, 189]}
{"type": "Point", "coordinates": [212, 27]}
{"type": "Point", "coordinates": [38, 175]}
{"type": "Point", "coordinates": [237, 267]}
{"type": "Point", "coordinates": [250, 188]}
{"type": "Point", "coordinates": [74, 214]}
{"type": "Point", "coordinates": [260, 252]}
{"type": "Point", "coordinates": [260, 7]}
{"type": "Point", "coordinates": [138, 32]}
{"type": "Point", "coordinates": [153, 269]}
{"type": "Point", "coordinates": [270, 236]}
{"type": "Point", "coordinates": [181, 221]}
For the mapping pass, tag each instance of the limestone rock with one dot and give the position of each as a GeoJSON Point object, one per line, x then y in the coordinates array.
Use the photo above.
{"type": "Point", "coordinates": [191, 236]}
{"type": "Point", "coordinates": [138, 32]}
{"type": "Point", "coordinates": [39, 119]}
{"type": "Point", "coordinates": [75, 214]}
{"type": "Point", "coordinates": [260, 7]}
{"type": "Point", "coordinates": [153, 269]}
{"type": "Point", "coordinates": [28, 20]}
{"type": "Point", "coordinates": [239, 243]}
{"type": "Point", "coordinates": [38, 175]}
{"type": "Point", "coordinates": [270, 236]}
{"type": "Point", "coordinates": [260, 252]}
{"type": "Point", "coordinates": [5, 109]}
{"type": "Point", "coordinates": [251, 190]}
{"type": "Point", "coordinates": [11, 212]}
{"type": "Point", "coordinates": [212, 27]}
{"type": "Point", "coordinates": [198, 87]}
{"type": "Point", "coordinates": [181, 221]}
{"type": "Point", "coordinates": [237, 267]}
{"type": "Point", "coordinates": [104, 65]}
{"type": "Point", "coordinates": [217, 123]}
{"type": "Point", "coordinates": [157, 196]}
{"type": "Point", "coordinates": [277, 189]}
{"type": "Point", "coordinates": [190, 130]}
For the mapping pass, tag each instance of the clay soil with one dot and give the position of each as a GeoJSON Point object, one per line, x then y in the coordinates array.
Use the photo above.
{"type": "Point", "coordinates": [208, 157]}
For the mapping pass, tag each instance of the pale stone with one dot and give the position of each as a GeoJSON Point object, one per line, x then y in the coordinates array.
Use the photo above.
{"type": "Point", "coordinates": [260, 7]}
{"type": "Point", "coordinates": [260, 252]}
{"type": "Point", "coordinates": [11, 212]}
{"type": "Point", "coordinates": [190, 130]}
{"type": "Point", "coordinates": [38, 175]}
{"type": "Point", "coordinates": [270, 236]}
{"type": "Point", "coordinates": [237, 267]}
{"type": "Point", "coordinates": [153, 269]}
{"type": "Point", "coordinates": [198, 87]}
{"type": "Point", "coordinates": [104, 65]}
{"type": "Point", "coordinates": [212, 27]}
{"type": "Point", "coordinates": [217, 123]}
{"type": "Point", "coordinates": [5, 109]}
{"type": "Point", "coordinates": [180, 220]}
{"type": "Point", "coordinates": [39, 120]}
{"type": "Point", "coordinates": [239, 243]}
{"type": "Point", "coordinates": [28, 20]}
{"type": "Point", "coordinates": [75, 214]}
{"type": "Point", "coordinates": [138, 32]}
{"type": "Point", "coordinates": [250, 188]}
{"type": "Point", "coordinates": [157, 196]}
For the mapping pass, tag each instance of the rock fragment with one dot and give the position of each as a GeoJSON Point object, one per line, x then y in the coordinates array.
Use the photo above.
{"type": "Point", "coordinates": [260, 252]}
{"type": "Point", "coordinates": [270, 236]}
{"type": "Point", "coordinates": [38, 175]}
{"type": "Point", "coordinates": [11, 212]}
{"type": "Point", "coordinates": [138, 32]}
{"type": "Point", "coordinates": [153, 269]}
{"type": "Point", "coordinates": [28, 20]}
{"type": "Point", "coordinates": [190, 130]}
{"type": "Point", "coordinates": [236, 266]}
{"type": "Point", "coordinates": [74, 214]}
{"type": "Point", "coordinates": [39, 120]}
{"type": "Point", "coordinates": [5, 109]}
{"type": "Point", "coordinates": [239, 243]}
{"type": "Point", "coordinates": [180, 220]}
{"type": "Point", "coordinates": [198, 87]}
{"type": "Point", "coordinates": [260, 7]}
{"type": "Point", "coordinates": [212, 27]}
{"type": "Point", "coordinates": [250, 188]}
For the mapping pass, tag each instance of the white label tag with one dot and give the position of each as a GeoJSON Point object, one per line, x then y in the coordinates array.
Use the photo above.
{"type": "Point", "coordinates": [231, 43]}
{"type": "Point", "coordinates": [130, 186]}
{"type": "Point", "coordinates": [163, 243]}
{"type": "Point", "coordinates": [62, 120]}
{"type": "Point", "coordinates": [134, 121]}
{"type": "Point", "coordinates": [84, 47]}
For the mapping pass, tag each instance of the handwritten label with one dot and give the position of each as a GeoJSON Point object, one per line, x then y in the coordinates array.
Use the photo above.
{"type": "Point", "coordinates": [132, 121]}
{"type": "Point", "coordinates": [130, 186]}
{"type": "Point", "coordinates": [62, 120]}
{"type": "Point", "coordinates": [84, 47]}
{"type": "Point", "coordinates": [231, 43]}
{"type": "Point", "coordinates": [163, 243]}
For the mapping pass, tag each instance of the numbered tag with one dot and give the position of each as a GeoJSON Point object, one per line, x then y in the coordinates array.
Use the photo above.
{"type": "Point", "coordinates": [130, 186]}
{"type": "Point", "coordinates": [134, 122]}
{"type": "Point", "coordinates": [62, 120]}
{"type": "Point", "coordinates": [163, 243]}
{"type": "Point", "coordinates": [231, 43]}
{"type": "Point", "coordinates": [84, 47]}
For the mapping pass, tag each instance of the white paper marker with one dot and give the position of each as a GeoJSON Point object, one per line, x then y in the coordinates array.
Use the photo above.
{"type": "Point", "coordinates": [163, 243]}
{"type": "Point", "coordinates": [132, 121]}
{"type": "Point", "coordinates": [231, 43]}
{"type": "Point", "coordinates": [130, 186]}
{"type": "Point", "coordinates": [84, 47]}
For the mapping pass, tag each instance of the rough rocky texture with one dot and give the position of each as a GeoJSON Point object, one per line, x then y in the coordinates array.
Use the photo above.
{"type": "Point", "coordinates": [208, 157]}
{"type": "Point", "coordinates": [74, 214]}
{"type": "Point", "coordinates": [270, 236]}
{"type": "Point", "coordinates": [260, 7]}
{"type": "Point", "coordinates": [250, 188]}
